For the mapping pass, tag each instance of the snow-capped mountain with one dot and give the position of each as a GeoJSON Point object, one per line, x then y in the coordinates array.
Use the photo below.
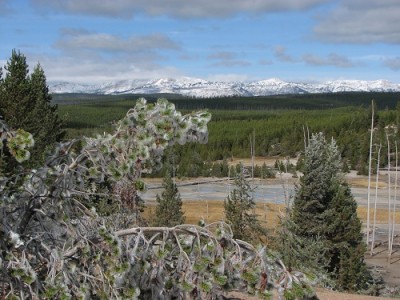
{"type": "Point", "coordinates": [194, 87]}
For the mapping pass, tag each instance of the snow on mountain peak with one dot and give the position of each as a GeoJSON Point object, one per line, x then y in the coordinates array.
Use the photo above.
{"type": "Point", "coordinates": [195, 87]}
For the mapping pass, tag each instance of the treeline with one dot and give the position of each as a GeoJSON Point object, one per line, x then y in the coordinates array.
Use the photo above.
{"type": "Point", "coordinates": [276, 132]}
{"type": "Point", "coordinates": [283, 134]}
{"type": "Point", "coordinates": [183, 166]}
{"type": "Point", "coordinates": [385, 100]}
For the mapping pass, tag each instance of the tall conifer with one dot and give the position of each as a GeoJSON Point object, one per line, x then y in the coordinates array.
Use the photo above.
{"type": "Point", "coordinates": [26, 104]}
{"type": "Point", "coordinates": [15, 102]}
{"type": "Point", "coordinates": [45, 125]}
{"type": "Point", "coordinates": [324, 206]}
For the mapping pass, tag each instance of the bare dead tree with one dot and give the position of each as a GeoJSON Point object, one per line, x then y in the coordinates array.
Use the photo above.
{"type": "Point", "coordinates": [394, 206]}
{"type": "Point", "coordinates": [252, 139]}
{"type": "Point", "coordinates": [376, 199]}
{"type": "Point", "coordinates": [369, 171]}
{"type": "Point", "coordinates": [389, 194]}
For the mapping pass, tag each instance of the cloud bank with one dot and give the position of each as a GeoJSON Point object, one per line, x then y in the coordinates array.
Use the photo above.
{"type": "Point", "coordinates": [174, 8]}
{"type": "Point", "coordinates": [361, 22]}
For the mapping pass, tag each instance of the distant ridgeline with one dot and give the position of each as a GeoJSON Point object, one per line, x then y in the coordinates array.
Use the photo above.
{"type": "Point", "coordinates": [383, 100]}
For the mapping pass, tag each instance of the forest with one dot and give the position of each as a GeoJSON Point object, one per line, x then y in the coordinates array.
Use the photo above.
{"type": "Point", "coordinates": [278, 124]}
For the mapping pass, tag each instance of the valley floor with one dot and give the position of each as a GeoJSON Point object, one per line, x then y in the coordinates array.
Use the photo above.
{"type": "Point", "coordinates": [203, 199]}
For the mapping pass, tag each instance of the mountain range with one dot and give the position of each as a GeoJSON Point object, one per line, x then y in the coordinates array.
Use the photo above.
{"type": "Point", "coordinates": [200, 88]}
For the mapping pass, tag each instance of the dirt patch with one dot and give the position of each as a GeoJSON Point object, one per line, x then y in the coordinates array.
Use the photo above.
{"type": "Point", "coordinates": [331, 295]}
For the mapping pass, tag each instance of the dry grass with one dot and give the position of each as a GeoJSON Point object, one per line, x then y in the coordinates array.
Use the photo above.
{"type": "Point", "coordinates": [268, 213]}
{"type": "Point", "coordinates": [381, 215]}
{"type": "Point", "coordinates": [257, 160]}
{"type": "Point", "coordinates": [363, 182]}
{"type": "Point", "coordinates": [213, 210]}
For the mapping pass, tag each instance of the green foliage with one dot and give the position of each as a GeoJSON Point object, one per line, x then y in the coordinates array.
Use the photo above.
{"type": "Point", "coordinates": [169, 205]}
{"type": "Point", "coordinates": [15, 104]}
{"type": "Point", "coordinates": [239, 211]}
{"type": "Point", "coordinates": [25, 103]}
{"type": "Point", "coordinates": [324, 207]}
{"type": "Point", "coordinates": [264, 172]}
{"type": "Point", "coordinates": [306, 253]}
{"type": "Point", "coordinates": [18, 143]}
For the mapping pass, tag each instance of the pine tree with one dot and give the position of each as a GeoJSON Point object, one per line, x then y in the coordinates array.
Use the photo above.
{"type": "Point", "coordinates": [46, 127]}
{"type": "Point", "coordinates": [324, 207]}
{"type": "Point", "coordinates": [15, 102]}
{"type": "Point", "coordinates": [239, 211]}
{"type": "Point", "coordinates": [169, 205]}
{"type": "Point", "coordinates": [300, 252]}
{"type": "Point", "coordinates": [26, 104]}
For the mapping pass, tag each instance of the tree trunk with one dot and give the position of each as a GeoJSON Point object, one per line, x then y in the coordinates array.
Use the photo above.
{"type": "Point", "coordinates": [376, 199]}
{"type": "Point", "coordinates": [369, 171]}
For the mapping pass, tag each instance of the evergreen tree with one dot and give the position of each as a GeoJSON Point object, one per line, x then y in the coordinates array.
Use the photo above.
{"type": "Point", "coordinates": [324, 207]}
{"type": "Point", "coordinates": [45, 125]}
{"type": "Point", "coordinates": [169, 206]}
{"type": "Point", "coordinates": [239, 211]}
{"type": "Point", "coordinates": [15, 102]}
{"type": "Point", "coordinates": [26, 104]}
{"type": "Point", "coordinates": [300, 252]}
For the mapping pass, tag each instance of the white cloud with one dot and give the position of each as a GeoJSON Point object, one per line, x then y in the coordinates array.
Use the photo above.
{"type": "Point", "coordinates": [332, 59]}
{"type": "Point", "coordinates": [90, 57]}
{"type": "Point", "coordinates": [361, 21]}
{"type": "Point", "coordinates": [80, 39]}
{"type": "Point", "coordinates": [176, 8]}
{"type": "Point", "coordinates": [223, 55]}
{"type": "Point", "coordinates": [281, 54]}
{"type": "Point", "coordinates": [265, 62]}
{"type": "Point", "coordinates": [94, 70]}
{"type": "Point", "coordinates": [96, 57]}
{"type": "Point", "coordinates": [393, 63]}
{"type": "Point", "coordinates": [227, 59]}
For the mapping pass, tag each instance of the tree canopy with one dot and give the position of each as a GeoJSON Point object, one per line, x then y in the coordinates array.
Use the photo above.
{"type": "Point", "coordinates": [239, 211]}
{"type": "Point", "coordinates": [25, 103]}
{"type": "Point", "coordinates": [169, 204]}
{"type": "Point", "coordinates": [325, 208]}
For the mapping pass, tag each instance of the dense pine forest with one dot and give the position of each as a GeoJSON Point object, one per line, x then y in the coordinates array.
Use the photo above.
{"type": "Point", "coordinates": [278, 124]}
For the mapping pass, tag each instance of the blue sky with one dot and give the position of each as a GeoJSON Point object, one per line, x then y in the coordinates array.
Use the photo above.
{"type": "Point", "coordinates": [92, 41]}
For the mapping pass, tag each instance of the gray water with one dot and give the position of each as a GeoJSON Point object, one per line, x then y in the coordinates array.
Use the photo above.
{"type": "Point", "coordinates": [272, 193]}
{"type": "Point", "coordinates": [263, 192]}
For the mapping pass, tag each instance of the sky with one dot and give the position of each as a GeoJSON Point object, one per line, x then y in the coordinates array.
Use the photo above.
{"type": "Point", "coordinates": [95, 41]}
